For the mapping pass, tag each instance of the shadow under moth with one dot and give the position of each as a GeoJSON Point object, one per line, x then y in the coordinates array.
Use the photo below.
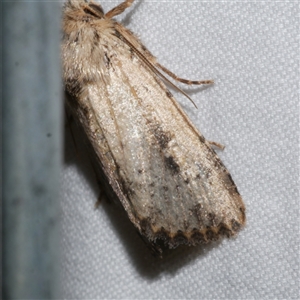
{"type": "Point", "coordinates": [172, 185]}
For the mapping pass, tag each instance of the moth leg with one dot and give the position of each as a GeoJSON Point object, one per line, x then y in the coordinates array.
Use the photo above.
{"type": "Point", "coordinates": [218, 145]}
{"type": "Point", "coordinates": [185, 81]}
{"type": "Point", "coordinates": [118, 9]}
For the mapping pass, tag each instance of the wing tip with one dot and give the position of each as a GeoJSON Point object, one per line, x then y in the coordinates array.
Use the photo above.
{"type": "Point", "coordinates": [161, 239]}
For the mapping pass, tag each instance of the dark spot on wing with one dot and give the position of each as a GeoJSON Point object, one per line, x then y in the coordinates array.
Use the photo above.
{"type": "Point", "coordinates": [211, 235]}
{"type": "Point", "coordinates": [235, 225]}
{"type": "Point", "coordinates": [224, 230]}
{"type": "Point", "coordinates": [162, 234]}
{"type": "Point", "coordinates": [162, 137]}
{"type": "Point", "coordinates": [217, 162]}
{"type": "Point", "coordinates": [172, 165]}
{"type": "Point", "coordinates": [202, 139]}
{"type": "Point", "coordinates": [204, 219]}
{"type": "Point", "coordinates": [197, 211]}
{"type": "Point", "coordinates": [179, 239]}
{"type": "Point", "coordinates": [198, 237]}
{"type": "Point", "coordinates": [169, 94]}
{"type": "Point", "coordinates": [212, 219]}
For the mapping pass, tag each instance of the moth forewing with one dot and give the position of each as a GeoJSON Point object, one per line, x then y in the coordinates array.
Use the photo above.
{"type": "Point", "coordinates": [169, 180]}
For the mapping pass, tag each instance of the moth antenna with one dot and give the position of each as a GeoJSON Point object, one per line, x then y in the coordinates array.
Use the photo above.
{"type": "Point", "coordinates": [185, 81]}
{"type": "Point", "coordinates": [154, 69]}
{"type": "Point", "coordinates": [118, 9]}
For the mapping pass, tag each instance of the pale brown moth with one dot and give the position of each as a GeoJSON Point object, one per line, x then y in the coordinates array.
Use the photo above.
{"type": "Point", "coordinates": [169, 180]}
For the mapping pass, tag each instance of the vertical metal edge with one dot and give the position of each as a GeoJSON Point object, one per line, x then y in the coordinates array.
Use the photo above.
{"type": "Point", "coordinates": [32, 149]}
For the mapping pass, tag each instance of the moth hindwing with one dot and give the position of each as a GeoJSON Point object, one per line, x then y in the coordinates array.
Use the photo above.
{"type": "Point", "coordinates": [169, 180]}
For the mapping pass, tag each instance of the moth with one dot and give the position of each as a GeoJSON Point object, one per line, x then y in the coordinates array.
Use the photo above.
{"type": "Point", "coordinates": [171, 183]}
